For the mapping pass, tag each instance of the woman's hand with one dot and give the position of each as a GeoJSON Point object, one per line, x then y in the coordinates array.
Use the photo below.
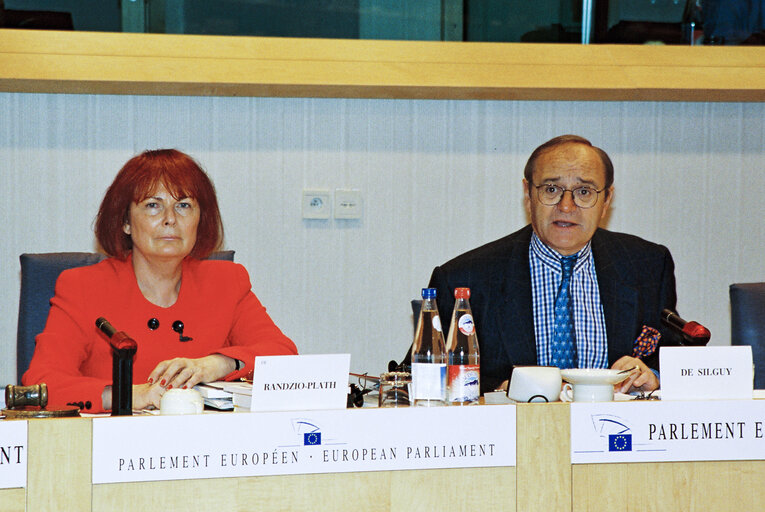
{"type": "Point", "coordinates": [175, 373]}
{"type": "Point", "coordinates": [187, 373]}
{"type": "Point", "coordinates": [145, 396]}
{"type": "Point", "coordinates": [642, 379]}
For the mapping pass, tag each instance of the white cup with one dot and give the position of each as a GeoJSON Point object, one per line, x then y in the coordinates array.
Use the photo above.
{"type": "Point", "coordinates": [587, 392]}
{"type": "Point", "coordinates": [535, 384]}
{"type": "Point", "coordinates": [181, 401]}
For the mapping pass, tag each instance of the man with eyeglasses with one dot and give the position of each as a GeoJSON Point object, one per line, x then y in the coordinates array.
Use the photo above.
{"type": "Point", "coordinates": [562, 291]}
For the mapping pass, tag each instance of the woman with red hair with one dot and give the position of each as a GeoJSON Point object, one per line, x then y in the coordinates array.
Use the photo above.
{"type": "Point", "coordinates": [194, 320]}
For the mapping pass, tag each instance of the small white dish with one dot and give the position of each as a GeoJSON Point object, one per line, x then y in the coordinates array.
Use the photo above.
{"type": "Point", "coordinates": [593, 376]}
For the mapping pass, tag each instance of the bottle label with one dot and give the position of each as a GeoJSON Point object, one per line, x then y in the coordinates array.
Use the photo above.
{"type": "Point", "coordinates": [464, 382]}
{"type": "Point", "coordinates": [429, 381]}
{"type": "Point", "coordinates": [437, 323]}
{"type": "Point", "coordinates": [466, 325]}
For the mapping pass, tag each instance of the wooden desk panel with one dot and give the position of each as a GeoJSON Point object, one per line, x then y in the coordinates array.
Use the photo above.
{"type": "Point", "coordinates": [473, 489]}
{"type": "Point", "coordinates": [59, 470]}
{"type": "Point", "coordinates": [59, 478]}
{"type": "Point", "coordinates": [426, 490]}
{"type": "Point", "coordinates": [59, 464]}
{"type": "Point", "coordinates": [12, 500]}
{"type": "Point", "coordinates": [735, 486]}
{"type": "Point", "coordinates": [169, 64]}
{"type": "Point", "coordinates": [543, 461]}
{"type": "Point", "coordinates": [327, 492]}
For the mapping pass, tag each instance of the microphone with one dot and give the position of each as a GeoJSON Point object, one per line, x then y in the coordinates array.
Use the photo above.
{"type": "Point", "coordinates": [117, 339]}
{"type": "Point", "coordinates": [693, 333]}
{"type": "Point", "coordinates": [123, 350]}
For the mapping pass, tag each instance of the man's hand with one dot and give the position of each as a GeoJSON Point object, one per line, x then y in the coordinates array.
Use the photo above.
{"type": "Point", "coordinates": [642, 379]}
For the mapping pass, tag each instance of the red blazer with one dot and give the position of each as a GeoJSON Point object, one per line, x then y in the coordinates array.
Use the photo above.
{"type": "Point", "coordinates": [215, 304]}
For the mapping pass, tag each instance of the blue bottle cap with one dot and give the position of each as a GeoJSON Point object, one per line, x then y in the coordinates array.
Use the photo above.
{"type": "Point", "coordinates": [428, 293]}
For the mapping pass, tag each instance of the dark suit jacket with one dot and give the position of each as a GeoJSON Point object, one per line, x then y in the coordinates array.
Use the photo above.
{"type": "Point", "coordinates": [635, 277]}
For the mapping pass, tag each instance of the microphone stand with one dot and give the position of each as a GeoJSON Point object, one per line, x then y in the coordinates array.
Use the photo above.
{"type": "Point", "coordinates": [123, 353]}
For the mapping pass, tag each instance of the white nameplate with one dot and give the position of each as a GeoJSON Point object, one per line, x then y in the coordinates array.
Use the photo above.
{"type": "Point", "coordinates": [139, 449]}
{"type": "Point", "coordinates": [300, 383]}
{"type": "Point", "coordinates": [13, 454]}
{"type": "Point", "coordinates": [693, 373]}
{"type": "Point", "coordinates": [667, 431]}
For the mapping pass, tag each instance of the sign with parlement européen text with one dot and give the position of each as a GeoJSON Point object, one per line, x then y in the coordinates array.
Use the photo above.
{"type": "Point", "coordinates": [679, 431]}
{"type": "Point", "coordinates": [137, 449]}
{"type": "Point", "coordinates": [13, 454]}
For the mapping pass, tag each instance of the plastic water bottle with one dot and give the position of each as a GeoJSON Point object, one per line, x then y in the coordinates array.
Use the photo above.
{"type": "Point", "coordinates": [429, 355]}
{"type": "Point", "coordinates": [464, 360]}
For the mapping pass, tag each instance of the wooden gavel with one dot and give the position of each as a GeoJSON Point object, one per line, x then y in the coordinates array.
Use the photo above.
{"type": "Point", "coordinates": [21, 396]}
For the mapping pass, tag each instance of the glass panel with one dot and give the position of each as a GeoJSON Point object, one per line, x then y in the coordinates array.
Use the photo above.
{"type": "Point", "coordinates": [283, 18]}
{"type": "Point", "coordinates": [555, 21]}
{"type": "Point", "coordinates": [428, 20]}
{"type": "Point", "coordinates": [540, 21]}
{"type": "Point", "coordinates": [680, 21]}
{"type": "Point", "coordinates": [92, 15]}
{"type": "Point", "coordinates": [639, 21]}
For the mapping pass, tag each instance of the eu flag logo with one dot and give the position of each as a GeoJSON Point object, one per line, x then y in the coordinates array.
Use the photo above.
{"type": "Point", "coordinates": [620, 443]}
{"type": "Point", "coordinates": [312, 439]}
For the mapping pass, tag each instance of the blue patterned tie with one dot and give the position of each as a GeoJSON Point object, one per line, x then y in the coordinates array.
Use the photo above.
{"type": "Point", "coordinates": [564, 339]}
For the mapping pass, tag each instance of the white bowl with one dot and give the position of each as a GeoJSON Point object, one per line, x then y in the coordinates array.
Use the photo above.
{"type": "Point", "coordinates": [535, 384]}
{"type": "Point", "coordinates": [593, 376]}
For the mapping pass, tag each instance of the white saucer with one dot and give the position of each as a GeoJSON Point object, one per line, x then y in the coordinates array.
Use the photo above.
{"type": "Point", "coordinates": [593, 376]}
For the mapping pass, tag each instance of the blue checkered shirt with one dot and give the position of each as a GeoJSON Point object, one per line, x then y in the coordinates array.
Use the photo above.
{"type": "Point", "coordinates": [589, 322]}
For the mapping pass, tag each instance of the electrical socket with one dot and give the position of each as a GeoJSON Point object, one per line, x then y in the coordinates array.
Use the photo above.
{"type": "Point", "coordinates": [317, 204]}
{"type": "Point", "coordinates": [348, 204]}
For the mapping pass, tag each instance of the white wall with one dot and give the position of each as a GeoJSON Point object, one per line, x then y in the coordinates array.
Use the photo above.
{"type": "Point", "coordinates": [438, 178]}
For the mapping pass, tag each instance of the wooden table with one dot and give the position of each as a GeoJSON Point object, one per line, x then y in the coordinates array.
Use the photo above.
{"type": "Point", "coordinates": [59, 478]}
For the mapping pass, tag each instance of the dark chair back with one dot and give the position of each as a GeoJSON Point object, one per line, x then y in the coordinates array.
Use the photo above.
{"type": "Point", "coordinates": [39, 273]}
{"type": "Point", "coordinates": [747, 308]}
{"type": "Point", "coordinates": [416, 307]}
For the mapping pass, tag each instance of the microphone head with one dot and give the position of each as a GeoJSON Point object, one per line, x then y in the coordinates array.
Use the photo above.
{"type": "Point", "coordinates": [696, 334]}
{"type": "Point", "coordinates": [693, 333]}
{"type": "Point", "coordinates": [118, 340]}
{"type": "Point", "coordinates": [107, 328]}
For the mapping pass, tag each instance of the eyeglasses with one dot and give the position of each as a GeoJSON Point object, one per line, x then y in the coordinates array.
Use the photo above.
{"type": "Point", "coordinates": [584, 197]}
{"type": "Point", "coordinates": [646, 396]}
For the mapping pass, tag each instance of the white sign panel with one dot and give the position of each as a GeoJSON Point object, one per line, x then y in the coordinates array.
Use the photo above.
{"type": "Point", "coordinates": [13, 454]}
{"type": "Point", "coordinates": [693, 373]}
{"type": "Point", "coordinates": [298, 383]}
{"type": "Point", "coordinates": [137, 449]}
{"type": "Point", "coordinates": [667, 431]}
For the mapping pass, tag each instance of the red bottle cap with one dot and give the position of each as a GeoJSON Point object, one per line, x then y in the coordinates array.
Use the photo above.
{"type": "Point", "coordinates": [462, 293]}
